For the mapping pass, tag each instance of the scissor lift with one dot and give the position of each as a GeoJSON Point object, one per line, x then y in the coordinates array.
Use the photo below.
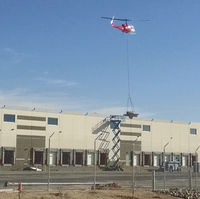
{"type": "Point", "coordinates": [114, 122]}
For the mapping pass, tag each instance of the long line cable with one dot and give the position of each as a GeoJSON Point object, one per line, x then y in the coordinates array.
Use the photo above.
{"type": "Point", "coordinates": [129, 100]}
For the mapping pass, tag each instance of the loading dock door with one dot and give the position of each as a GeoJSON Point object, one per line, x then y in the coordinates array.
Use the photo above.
{"type": "Point", "coordinates": [79, 158]}
{"type": "Point", "coordinates": [147, 159]}
{"type": "Point", "coordinates": [155, 161]}
{"type": "Point", "coordinates": [9, 157]}
{"type": "Point", "coordinates": [52, 158]}
{"type": "Point", "coordinates": [183, 161]}
{"type": "Point", "coordinates": [66, 158]}
{"type": "Point", "coordinates": [38, 157]}
{"type": "Point", "coordinates": [89, 159]}
{"type": "Point", "coordinates": [103, 159]}
{"type": "Point", "coordinates": [167, 158]}
{"type": "Point", "coordinates": [135, 159]}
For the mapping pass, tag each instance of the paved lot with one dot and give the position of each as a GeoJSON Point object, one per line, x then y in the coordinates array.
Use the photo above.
{"type": "Point", "coordinates": [174, 179]}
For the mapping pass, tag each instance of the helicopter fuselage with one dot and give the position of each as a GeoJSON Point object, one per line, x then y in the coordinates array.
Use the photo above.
{"type": "Point", "coordinates": [124, 27]}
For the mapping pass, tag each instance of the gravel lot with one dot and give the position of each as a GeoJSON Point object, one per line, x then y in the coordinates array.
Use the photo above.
{"type": "Point", "coordinates": [85, 194]}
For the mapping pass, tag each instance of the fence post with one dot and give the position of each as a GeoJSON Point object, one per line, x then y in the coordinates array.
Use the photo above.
{"type": "Point", "coordinates": [153, 180]}
{"type": "Point", "coordinates": [190, 179]}
{"type": "Point", "coordinates": [164, 178]}
{"type": "Point", "coordinates": [196, 170]}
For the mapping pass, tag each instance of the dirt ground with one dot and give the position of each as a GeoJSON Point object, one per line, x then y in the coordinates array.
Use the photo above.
{"type": "Point", "coordinates": [85, 194]}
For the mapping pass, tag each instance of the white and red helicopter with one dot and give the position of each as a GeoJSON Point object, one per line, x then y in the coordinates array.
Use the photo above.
{"type": "Point", "coordinates": [126, 28]}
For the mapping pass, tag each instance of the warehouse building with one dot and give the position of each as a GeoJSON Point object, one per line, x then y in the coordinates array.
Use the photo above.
{"type": "Point", "coordinates": [31, 138]}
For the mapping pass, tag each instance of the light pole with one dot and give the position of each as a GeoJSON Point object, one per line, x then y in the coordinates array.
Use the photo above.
{"type": "Point", "coordinates": [95, 162]}
{"type": "Point", "coordinates": [164, 162]}
{"type": "Point", "coordinates": [196, 166]}
{"type": "Point", "coordinates": [133, 166]}
{"type": "Point", "coordinates": [49, 168]}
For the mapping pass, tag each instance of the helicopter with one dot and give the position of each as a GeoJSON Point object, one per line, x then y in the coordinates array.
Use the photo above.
{"type": "Point", "coordinates": [125, 28]}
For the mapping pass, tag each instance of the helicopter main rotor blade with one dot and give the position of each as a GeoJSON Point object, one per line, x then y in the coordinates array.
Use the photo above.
{"type": "Point", "coordinates": [118, 19]}
{"type": "Point", "coordinates": [106, 17]}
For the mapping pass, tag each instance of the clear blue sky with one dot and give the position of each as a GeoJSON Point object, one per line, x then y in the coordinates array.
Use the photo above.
{"type": "Point", "coordinates": [62, 55]}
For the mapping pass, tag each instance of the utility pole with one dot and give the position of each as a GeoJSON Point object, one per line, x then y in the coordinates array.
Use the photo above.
{"type": "Point", "coordinates": [196, 165]}
{"type": "Point", "coordinates": [95, 161]}
{"type": "Point", "coordinates": [49, 168]}
{"type": "Point", "coordinates": [133, 180]}
{"type": "Point", "coordinates": [164, 174]}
